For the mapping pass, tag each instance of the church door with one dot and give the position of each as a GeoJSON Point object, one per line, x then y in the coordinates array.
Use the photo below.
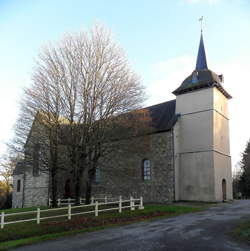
{"type": "Point", "coordinates": [67, 190]}
{"type": "Point", "coordinates": [224, 190]}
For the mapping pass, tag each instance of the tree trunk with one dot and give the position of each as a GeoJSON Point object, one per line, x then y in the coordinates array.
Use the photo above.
{"type": "Point", "coordinates": [54, 188]}
{"type": "Point", "coordinates": [88, 192]}
{"type": "Point", "coordinates": [91, 175]}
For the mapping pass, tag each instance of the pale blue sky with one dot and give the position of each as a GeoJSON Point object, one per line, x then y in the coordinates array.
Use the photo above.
{"type": "Point", "coordinates": [160, 38]}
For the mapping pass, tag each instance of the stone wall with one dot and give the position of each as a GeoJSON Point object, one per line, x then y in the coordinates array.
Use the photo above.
{"type": "Point", "coordinates": [17, 196]}
{"type": "Point", "coordinates": [36, 189]}
{"type": "Point", "coordinates": [121, 172]}
{"type": "Point", "coordinates": [121, 169]}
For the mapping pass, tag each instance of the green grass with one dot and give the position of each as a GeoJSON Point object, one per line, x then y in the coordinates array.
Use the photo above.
{"type": "Point", "coordinates": [26, 233]}
{"type": "Point", "coordinates": [242, 232]}
{"type": "Point", "coordinates": [19, 210]}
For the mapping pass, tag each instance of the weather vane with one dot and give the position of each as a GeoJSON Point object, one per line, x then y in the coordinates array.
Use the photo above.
{"type": "Point", "coordinates": [201, 20]}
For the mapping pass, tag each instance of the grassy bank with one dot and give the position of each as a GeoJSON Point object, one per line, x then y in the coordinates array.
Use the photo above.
{"type": "Point", "coordinates": [26, 233]}
{"type": "Point", "coordinates": [242, 232]}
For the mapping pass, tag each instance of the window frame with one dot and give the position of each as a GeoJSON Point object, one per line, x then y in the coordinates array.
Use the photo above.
{"type": "Point", "coordinates": [146, 170]}
{"type": "Point", "coordinates": [18, 186]}
{"type": "Point", "coordinates": [97, 179]}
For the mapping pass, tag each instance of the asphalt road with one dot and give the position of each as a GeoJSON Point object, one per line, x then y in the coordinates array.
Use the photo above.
{"type": "Point", "coordinates": [207, 230]}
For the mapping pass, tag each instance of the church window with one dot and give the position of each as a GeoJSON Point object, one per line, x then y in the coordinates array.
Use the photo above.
{"type": "Point", "coordinates": [36, 159]}
{"type": "Point", "coordinates": [18, 189]}
{"type": "Point", "coordinates": [146, 170]}
{"type": "Point", "coordinates": [97, 175]}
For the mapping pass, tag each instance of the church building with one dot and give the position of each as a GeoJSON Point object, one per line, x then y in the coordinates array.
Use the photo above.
{"type": "Point", "coordinates": [185, 158]}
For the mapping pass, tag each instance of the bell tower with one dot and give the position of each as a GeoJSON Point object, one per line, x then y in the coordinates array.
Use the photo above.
{"type": "Point", "coordinates": [202, 152]}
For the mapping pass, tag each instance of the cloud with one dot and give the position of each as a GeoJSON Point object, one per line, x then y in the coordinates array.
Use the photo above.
{"type": "Point", "coordinates": [168, 75]}
{"type": "Point", "coordinates": [202, 1]}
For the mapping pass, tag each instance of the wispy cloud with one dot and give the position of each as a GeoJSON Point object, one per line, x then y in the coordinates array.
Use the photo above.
{"type": "Point", "coordinates": [202, 1]}
{"type": "Point", "coordinates": [167, 76]}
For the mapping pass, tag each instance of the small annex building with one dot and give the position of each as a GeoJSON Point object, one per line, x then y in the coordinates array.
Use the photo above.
{"type": "Point", "coordinates": [186, 158]}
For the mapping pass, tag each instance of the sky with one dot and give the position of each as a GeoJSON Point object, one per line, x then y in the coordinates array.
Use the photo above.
{"type": "Point", "coordinates": [160, 38]}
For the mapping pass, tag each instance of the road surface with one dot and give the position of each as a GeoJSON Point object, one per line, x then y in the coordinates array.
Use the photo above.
{"type": "Point", "coordinates": [202, 231]}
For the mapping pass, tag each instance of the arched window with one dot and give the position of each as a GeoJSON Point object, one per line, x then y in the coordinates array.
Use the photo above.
{"type": "Point", "coordinates": [146, 169]}
{"type": "Point", "coordinates": [18, 186]}
{"type": "Point", "coordinates": [97, 175]}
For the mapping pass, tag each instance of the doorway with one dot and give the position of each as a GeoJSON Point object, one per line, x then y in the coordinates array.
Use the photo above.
{"type": "Point", "coordinates": [224, 190]}
{"type": "Point", "coordinates": [67, 189]}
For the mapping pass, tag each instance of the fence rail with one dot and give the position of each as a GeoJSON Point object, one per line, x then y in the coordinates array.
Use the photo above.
{"type": "Point", "coordinates": [133, 203]}
{"type": "Point", "coordinates": [63, 202]}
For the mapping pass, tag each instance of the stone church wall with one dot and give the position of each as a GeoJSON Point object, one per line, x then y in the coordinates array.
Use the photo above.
{"type": "Point", "coordinates": [36, 189]}
{"type": "Point", "coordinates": [121, 173]}
{"type": "Point", "coordinates": [121, 169]}
{"type": "Point", "coordinates": [17, 196]}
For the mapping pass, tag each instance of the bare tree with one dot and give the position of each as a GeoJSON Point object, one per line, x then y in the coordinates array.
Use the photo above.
{"type": "Point", "coordinates": [7, 165]}
{"type": "Point", "coordinates": [82, 84]}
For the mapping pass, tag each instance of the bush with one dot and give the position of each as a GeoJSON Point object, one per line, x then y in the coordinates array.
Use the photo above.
{"type": "Point", "coordinates": [6, 201]}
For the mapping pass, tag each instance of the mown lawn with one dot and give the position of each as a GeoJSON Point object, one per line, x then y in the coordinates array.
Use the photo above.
{"type": "Point", "coordinates": [25, 233]}
{"type": "Point", "coordinates": [242, 232]}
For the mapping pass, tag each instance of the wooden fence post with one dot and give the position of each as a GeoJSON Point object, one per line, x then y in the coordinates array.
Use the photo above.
{"type": "Point", "coordinates": [49, 202]}
{"type": "Point", "coordinates": [69, 211]}
{"type": "Point", "coordinates": [96, 208]}
{"type": "Point", "coordinates": [2, 220]}
{"type": "Point", "coordinates": [38, 216]}
{"type": "Point", "coordinates": [92, 200]}
{"type": "Point", "coordinates": [80, 200]}
{"type": "Point", "coordinates": [141, 203]}
{"type": "Point", "coordinates": [59, 202]}
{"type": "Point", "coordinates": [106, 199]}
{"type": "Point", "coordinates": [120, 204]}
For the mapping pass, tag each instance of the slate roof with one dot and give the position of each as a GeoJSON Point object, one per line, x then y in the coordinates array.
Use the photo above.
{"type": "Point", "coordinates": [203, 79]}
{"type": "Point", "coordinates": [201, 62]}
{"type": "Point", "coordinates": [163, 116]}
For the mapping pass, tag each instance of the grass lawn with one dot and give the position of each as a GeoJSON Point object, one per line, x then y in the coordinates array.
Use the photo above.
{"type": "Point", "coordinates": [242, 232]}
{"type": "Point", "coordinates": [26, 233]}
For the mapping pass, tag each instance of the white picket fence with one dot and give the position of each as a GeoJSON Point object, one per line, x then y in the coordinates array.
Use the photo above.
{"type": "Point", "coordinates": [133, 203]}
{"type": "Point", "coordinates": [63, 202]}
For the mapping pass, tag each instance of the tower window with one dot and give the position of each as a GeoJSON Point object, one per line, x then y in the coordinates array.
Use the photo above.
{"type": "Point", "coordinates": [18, 189]}
{"type": "Point", "coordinates": [194, 77]}
{"type": "Point", "coordinates": [146, 169]}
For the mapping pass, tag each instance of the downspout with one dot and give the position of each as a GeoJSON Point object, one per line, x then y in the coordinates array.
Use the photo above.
{"type": "Point", "coordinates": [24, 178]}
{"type": "Point", "coordinates": [173, 157]}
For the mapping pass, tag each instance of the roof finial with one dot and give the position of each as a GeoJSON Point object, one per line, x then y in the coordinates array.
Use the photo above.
{"type": "Point", "coordinates": [201, 20]}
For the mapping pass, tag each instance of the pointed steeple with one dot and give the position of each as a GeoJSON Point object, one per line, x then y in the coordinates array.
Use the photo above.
{"type": "Point", "coordinates": [201, 62]}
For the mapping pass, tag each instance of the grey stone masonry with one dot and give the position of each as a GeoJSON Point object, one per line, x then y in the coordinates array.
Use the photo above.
{"type": "Point", "coordinates": [121, 168]}
{"type": "Point", "coordinates": [17, 194]}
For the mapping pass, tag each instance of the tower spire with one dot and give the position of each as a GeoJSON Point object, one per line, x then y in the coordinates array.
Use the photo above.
{"type": "Point", "coordinates": [201, 62]}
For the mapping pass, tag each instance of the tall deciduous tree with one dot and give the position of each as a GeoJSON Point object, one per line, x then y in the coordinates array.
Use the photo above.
{"type": "Point", "coordinates": [82, 84]}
